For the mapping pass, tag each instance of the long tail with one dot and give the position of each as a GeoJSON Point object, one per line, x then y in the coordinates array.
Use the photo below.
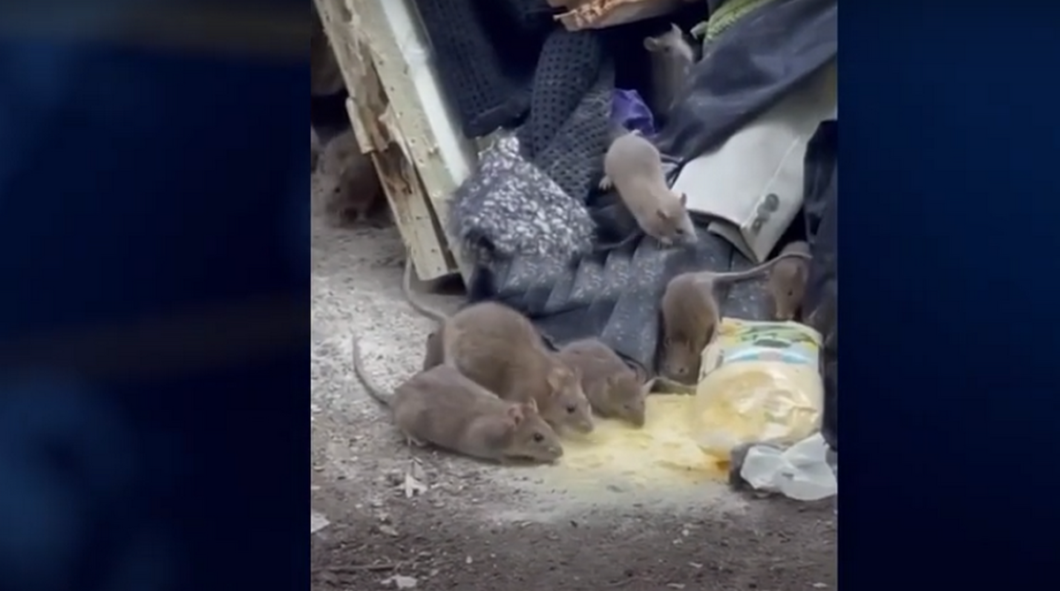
{"type": "Point", "coordinates": [757, 270]}
{"type": "Point", "coordinates": [406, 287]}
{"type": "Point", "coordinates": [374, 390]}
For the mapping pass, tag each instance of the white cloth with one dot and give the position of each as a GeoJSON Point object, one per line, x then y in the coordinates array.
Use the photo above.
{"type": "Point", "coordinates": [752, 185]}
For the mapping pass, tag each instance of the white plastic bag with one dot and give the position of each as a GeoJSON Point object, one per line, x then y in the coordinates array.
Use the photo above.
{"type": "Point", "coordinates": [801, 472]}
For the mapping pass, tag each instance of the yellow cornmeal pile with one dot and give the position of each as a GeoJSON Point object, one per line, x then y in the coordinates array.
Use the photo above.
{"type": "Point", "coordinates": [661, 452]}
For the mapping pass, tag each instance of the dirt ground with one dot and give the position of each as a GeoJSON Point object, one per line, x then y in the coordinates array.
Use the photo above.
{"type": "Point", "coordinates": [394, 517]}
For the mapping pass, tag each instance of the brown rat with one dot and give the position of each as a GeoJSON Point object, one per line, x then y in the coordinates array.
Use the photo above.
{"type": "Point", "coordinates": [349, 178]}
{"type": "Point", "coordinates": [690, 313]}
{"type": "Point", "coordinates": [501, 350]}
{"type": "Point", "coordinates": [787, 281]}
{"type": "Point", "coordinates": [442, 407]}
{"type": "Point", "coordinates": [633, 166]}
{"type": "Point", "coordinates": [671, 60]}
{"type": "Point", "coordinates": [613, 388]}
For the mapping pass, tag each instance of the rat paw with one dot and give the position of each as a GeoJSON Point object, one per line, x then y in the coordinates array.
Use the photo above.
{"type": "Point", "coordinates": [605, 183]}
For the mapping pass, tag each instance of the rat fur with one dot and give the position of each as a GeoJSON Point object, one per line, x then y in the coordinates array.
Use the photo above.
{"type": "Point", "coordinates": [500, 349]}
{"type": "Point", "coordinates": [350, 182]}
{"type": "Point", "coordinates": [787, 281]}
{"type": "Point", "coordinates": [613, 388]}
{"type": "Point", "coordinates": [444, 408]}
{"type": "Point", "coordinates": [633, 166]}
{"type": "Point", "coordinates": [671, 61]}
{"type": "Point", "coordinates": [690, 314]}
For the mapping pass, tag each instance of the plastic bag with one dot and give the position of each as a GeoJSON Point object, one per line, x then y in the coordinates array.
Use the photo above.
{"type": "Point", "coordinates": [802, 472]}
{"type": "Point", "coordinates": [759, 383]}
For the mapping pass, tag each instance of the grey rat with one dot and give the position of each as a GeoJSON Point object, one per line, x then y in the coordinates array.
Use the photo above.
{"type": "Point", "coordinates": [349, 177]}
{"type": "Point", "coordinates": [671, 61]}
{"type": "Point", "coordinates": [500, 349]}
{"type": "Point", "coordinates": [690, 313]}
{"type": "Point", "coordinates": [443, 408]}
{"type": "Point", "coordinates": [613, 388]}
{"type": "Point", "coordinates": [787, 281]}
{"type": "Point", "coordinates": [633, 166]}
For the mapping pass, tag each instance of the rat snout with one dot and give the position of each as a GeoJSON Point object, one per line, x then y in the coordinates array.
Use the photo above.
{"type": "Point", "coordinates": [585, 426]}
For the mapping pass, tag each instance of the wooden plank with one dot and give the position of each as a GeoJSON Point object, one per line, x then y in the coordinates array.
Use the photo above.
{"type": "Point", "coordinates": [368, 104]}
{"type": "Point", "coordinates": [420, 115]}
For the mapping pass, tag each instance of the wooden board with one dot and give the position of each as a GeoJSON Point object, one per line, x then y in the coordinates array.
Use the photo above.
{"type": "Point", "coordinates": [401, 120]}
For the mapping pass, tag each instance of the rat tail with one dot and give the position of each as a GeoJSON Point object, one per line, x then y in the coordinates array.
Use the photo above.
{"type": "Point", "coordinates": [422, 308]}
{"type": "Point", "coordinates": [373, 389]}
{"type": "Point", "coordinates": [758, 270]}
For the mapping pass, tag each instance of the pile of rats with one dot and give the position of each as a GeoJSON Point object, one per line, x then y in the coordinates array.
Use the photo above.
{"type": "Point", "coordinates": [491, 388]}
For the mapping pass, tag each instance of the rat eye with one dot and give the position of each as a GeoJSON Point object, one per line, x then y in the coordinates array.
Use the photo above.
{"type": "Point", "coordinates": [538, 438]}
{"type": "Point", "coordinates": [571, 408]}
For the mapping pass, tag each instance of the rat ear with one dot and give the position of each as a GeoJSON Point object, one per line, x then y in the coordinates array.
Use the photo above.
{"type": "Point", "coordinates": [515, 415]}
{"type": "Point", "coordinates": [651, 44]}
{"type": "Point", "coordinates": [645, 388]}
{"type": "Point", "coordinates": [531, 405]}
{"type": "Point", "coordinates": [662, 215]}
{"type": "Point", "coordinates": [676, 29]}
{"type": "Point", "coordinates": [555, 378]}
{"type": "Point", "coordinates": [684, 199]}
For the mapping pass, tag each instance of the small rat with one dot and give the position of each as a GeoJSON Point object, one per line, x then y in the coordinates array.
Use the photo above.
{"type": "Point", "coordinates": [349, 177]}
{"type": "Point", "coordinates": [613, 388]}
{"type": "Point", "coordinates": [501, 350]}
{"type": "Point", "coordinates": [787, 281]}
{"type": "Point", "coordinates": [442, 407]}
{"type": "Point", "coordinates": [634, 167]}
{"type": "Point", "coordinates": [671, 60]}
{"type": "Point", "coordinates": [690, 313]}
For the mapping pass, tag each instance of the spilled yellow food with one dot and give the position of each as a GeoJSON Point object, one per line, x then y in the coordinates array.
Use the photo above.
{"type": "Point", "coordinates": [759, 383]}
{"type": "Point", "coordinates": [664, 448]}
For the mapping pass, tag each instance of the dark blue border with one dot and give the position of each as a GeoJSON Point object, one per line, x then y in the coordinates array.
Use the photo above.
{"type": "Point", "coordinates": [135, 185]}
{"type": "Point", "coordinates": [949, 213]}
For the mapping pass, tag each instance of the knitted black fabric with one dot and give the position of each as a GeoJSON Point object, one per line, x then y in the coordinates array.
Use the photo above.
{"type": "Point", "coordinates": [574, 157]}
{"type": "Point", "coordinates": [568, 66]}
{"type": "Point", "coordinates": [477, 73]}
{"type": "Point", "coordinates": [531, 201]}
